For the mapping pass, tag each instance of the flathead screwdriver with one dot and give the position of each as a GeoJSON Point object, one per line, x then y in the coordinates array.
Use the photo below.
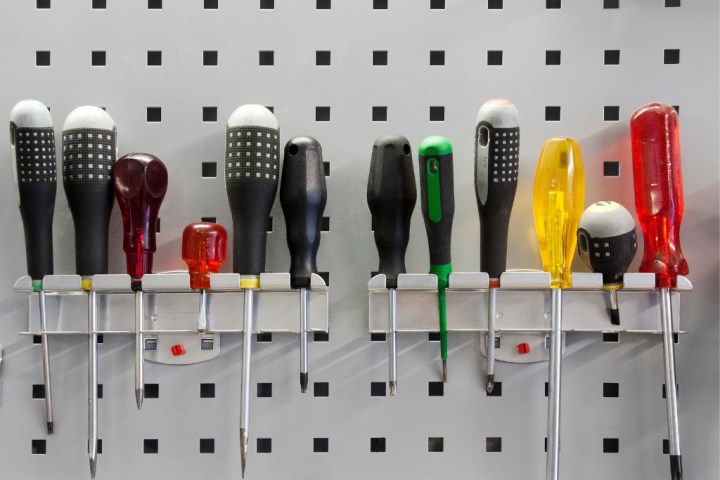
{"type": "Point", "coordinates": [32, 143]}
{"type": "Point", "coordinates": [303, 196]}
{"type": "Point", "coordinates": [252, 167]}
{"type": "Point", "coordinates": [497, 158]}
{"type": "Point", "coordinates": [438, 208]}
{"type": "Point", "coordinates": [89, 150]}
{"type": "Point", "coordinates": [391, 196]}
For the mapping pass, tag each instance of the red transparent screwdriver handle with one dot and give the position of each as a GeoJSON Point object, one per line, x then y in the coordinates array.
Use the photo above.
{"type": "Point", "coordinates": [204, 249]}
{"type": "Point", "coordinates": [655, 135]}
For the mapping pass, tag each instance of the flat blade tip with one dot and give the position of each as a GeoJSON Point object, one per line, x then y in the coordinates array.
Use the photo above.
{"type": "Point", "coordinates": [93, 468]}
{"type": "Point", "coordinates": [393, 389]}
{"type": "Point", "coordinates": [490, 383]}
{"type": "Point", "coordinates": [50, 428]}
{"type": "Point", "coordinates": [444, 368]}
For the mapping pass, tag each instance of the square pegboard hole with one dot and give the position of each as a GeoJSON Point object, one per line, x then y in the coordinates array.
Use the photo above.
{"type": "Point", "coordinates": [436, 389]}
{"type": "Point", "coordinates": [321, 389]}
{"type": "Point", "coordinates": [436, 444]}
{"type": "Point", "coordinates": [321, 337]}
{"type": "Point", "coordinates": [676, 337]}
{"type": "Point", "coordinates": [495, 4]}
{"type": "Point", "coordinates": [100, 390]}
{"type": "Point", "coordinates": [672, 3]}
{"type": "Point", "coordinates": [157, 230]}
{"type": "Point", "coordinates": [378, 337]}
{"type": "Point", "coordinates": [210, 4]}
{"type": "Point", "coordinates": [267, 4]}
{"type": "Point", "coordinates": [553, 4]}
{"type": "Point", "coordinates": [99, 4]}
{"type": "Point", "coordinates": [264, 445]}
{"type": "Point", "coordinates": [545, 444]}
{"type": "Point", "coordinates": [611, 390]}
{"type": "Point", "coordinates": [496, 391]}
{"type": "Point", "coordinates": [612, 57]}
{"type": "Point", "coordinates": [380, 4]}
{"type": "Point", "coordinates": [433, 336]}
{"type": "Point", "coordinates": [154, 58]}
{"type": "Point", "coordinates": [42, 4]}
{"type": "Point", "coordinates": [493, 444]}
{"type": "Point", "coordinates": [322, 58]}
{"type": "Point", "coordinates": [207, 390]}
{"type": "Point", "coordinates": [665, 446]}
{"type": "Point", "coordinates": [154, 4]}
{"type": "Point", "coordinates": [437, 4]}
{"type": "Point", "coordinates": [611, 169]}
{"type": "Point", "coordinates": [326, 277]}
{"type": "Point", "coordinates": [320, 445]}
{"type": "Point", "coordinates": [270, 224]}
{"type": "Point", "coordinates": [611, 337]}
{"type": "Point", "coordinates": [437, 114]}
{"type": "Point", "coordinates": [98, 58]}
{"type": "Point", "coordinates": [152, 390]}
{"type": "Point", "coordinates": [42, 58]}
{"type": "Point", "coordinates": [677, 390]}
{"type": "Point", "coordinates": [552, 57]}
{"type": "Point", "coordinates": [326, 168]}
{"type": "Point", "coordinates": [380, 57]}
{"type": "Point", "coordinates": [378, 389]}
{"type": "Point", "coordinates": [209, 114]}
{"type": "Point", "coordinates": [325, 224]}
{"type": "Point", "coordinates": [322, 4]}
{"type": "Point", "coordinates": [150, 445]}
{"type": "Point", "coordinates": [264, 337]}
{"type": "Point", "coordinates": [547, 388]}
{"type": "Point", "coordinates": [611, 3]}
{"type": "Point", "coordinates": [101, 338]}
{"type": "Point", "coordinates": [210, 58]}
{"type": "Point", "coordinates": [437, 57]}
{"type": "Point", "coordinates": [37, 340]}
{"type": "Point", "coordinates": [672, 56]}
{"type": "Point", "coordinates": [154, 114]}
{"type": "Point", "coordinates": [99, 446]}
{"type": "Point", "coordinates": [264, 390]}
{"type": "Point", "coordinates": [322, 114]}
{"type": "Point", "coordinates": [208, 219]}
{"type": "Point", "coordinates": [377, 445]}
{"type": "Point", "coordinates": [379, 114]}
{"type": "Point", "coordinates": [494, 57]}
{"type": "Point", "coordinates": [611, 113]}
{"type": "Point", "coordinates": [38, 391]}
{"type": "Point", "coordinates": [207, 445]}
{"type": "Point", "coordinates": [552, 114]}
{"type": "Point", "coordinates": [209, 169]}
{"type": "Point", "coordinates": [38, 447]}
{"type": "Point", "coordinates": [611, 445]}
{"type": "Point", "coordinates": [497, 342]}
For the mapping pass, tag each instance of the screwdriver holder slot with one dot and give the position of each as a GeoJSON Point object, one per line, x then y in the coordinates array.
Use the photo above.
{"type": "Point", "coordinates": [171, 310]}
{"type": "Point", "coordinates": [523, 306]}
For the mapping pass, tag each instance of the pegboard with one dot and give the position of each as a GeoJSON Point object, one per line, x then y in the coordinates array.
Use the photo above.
{"type": "Point", "coordinates": [171, 72]}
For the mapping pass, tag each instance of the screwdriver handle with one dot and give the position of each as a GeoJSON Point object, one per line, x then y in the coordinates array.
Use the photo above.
{"type": "Point", "coordinates": [391, 196]}
{"type": "Point", "coordinates": [497, 147]}
{"type": "Point", "coordinates": [303, 196]}
{"type": "Point", "coordinates": [437, 196]}
{"type": "Point", "coordinates": [204, 249]}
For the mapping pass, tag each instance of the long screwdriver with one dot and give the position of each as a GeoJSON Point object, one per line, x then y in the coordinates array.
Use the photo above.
{"type": "Point", "coordinates": [303, 196]}
{"type": "Point", "coordinates": [140, 182]}
{"type": "Point", "coordinates": [89, 150]}
{"type": "Point", "coordinates": [204, 249]}
{"type": "Point", "coordinates": [252, 167]}
{"type": "Point", "coordinates": [657, 164]}
{"type": "Point", "coordinates": [391, 196]}
{"type": "Point", "coordinates": [607, 243]}
{"type": "Point", "coordinates": [558, 197]}
{"type": "Point", "coordinates": [438, 208]}
{"type": "Point", "coordinates": [497, 158]}
{"type": "Point", "coordinates": [32, 143]}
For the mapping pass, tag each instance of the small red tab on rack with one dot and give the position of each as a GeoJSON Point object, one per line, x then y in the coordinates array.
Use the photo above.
{"type": "Point", "coordinates": [523, 348]}
{"type": "Point", "coordinates": [177, 350]}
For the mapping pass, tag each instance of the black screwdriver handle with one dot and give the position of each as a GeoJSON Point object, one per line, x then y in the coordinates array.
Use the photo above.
{"type": "Point", "coordinates": [391, 196]}
{"type": "Point", "coordinates": [438, 198]}
{"type": "Point", "coordinates": [497, 148]}
{"type": "Point", "coordinates": [303, 196]}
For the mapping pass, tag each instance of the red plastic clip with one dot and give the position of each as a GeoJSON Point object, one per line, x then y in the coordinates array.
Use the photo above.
{"type": "Point", "coordinates": [177, 350]}
{"type": "Point", "coordinates": [523, 348]}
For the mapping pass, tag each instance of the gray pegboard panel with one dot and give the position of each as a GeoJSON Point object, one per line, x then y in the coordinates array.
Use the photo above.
{"type": "Point", "coordinates": [582, 85]}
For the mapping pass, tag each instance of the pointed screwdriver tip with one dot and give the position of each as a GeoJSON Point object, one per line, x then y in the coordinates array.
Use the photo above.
{"type": "Point", "coordinates": [393, 388]}
{"type": "Point", "coordinates": [303, 381]}
{"type": "Point", "coordinates": [444, 362]}
{"type": "Point", "coordinates": [243, 450]}
{"type": "Point", "coordinates": [50, 428]}
{"type": "Point", "coordinates": [490, 383]}
{"type": "Point", "coordinates": [93, 467]}
{"type": "Point", "coordinates": [615, 316]}
{"type": "Point", "coordinates": [139, 398]}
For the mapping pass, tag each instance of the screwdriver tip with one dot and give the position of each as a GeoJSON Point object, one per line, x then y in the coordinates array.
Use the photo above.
{"type": "Point", "coordinates": [490, 383]}
{"type": "Point", "coordinates": [303, 381]}
{"type": "Point", "coordinates": [444, 362]}
{"type": "Point", "coordinates": [243, 450]}
{"type": "Point", "coordinates": [393, 388]}
{"type": "Point", "coordinates": [93, 467]}
{"type": "Point", "coordinates": [615, 316]}
{"type": "Point", "coordinates": [50, 428]}
{"type": "Point", "coordinates": [139, 398]}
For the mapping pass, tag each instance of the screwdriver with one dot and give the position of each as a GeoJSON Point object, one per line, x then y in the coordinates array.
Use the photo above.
{"type": "Point", "coordinates": [140, 181]}
{"type": "Point", "coordinates": [204, 249]}
{"type": "Point", "coordinates": [303, 196]}
{"type": "Point", "coordinates": [558, 197]}
{"type": "Point", "coordinates": [89, 150]}
{"type": "Point", "coordinates": [391, 196]}
{"type": "Point", "coordinates": [655, 135]}
{"type": "Point", "coordinates": [32, 144]}
{"type": "Point", "coordinates": [438, 208]}
{"type": "Point", "coordinates": [607, 243]}
{"type": "Point", "coordinates": [497, 155]}
{"type": "Point", "coordinates": [252, 162]}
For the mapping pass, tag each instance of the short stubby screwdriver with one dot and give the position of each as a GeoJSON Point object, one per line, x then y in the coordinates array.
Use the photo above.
{"type": "Point", "coordinates": [252, 168]}
{"type": "Point", "coordinates": [657, 175]}
{"type": "Point", "coordinates": [558, 197]}
{"type": "Point", "coordinates": [204, 249]}
{"type": "Point", "coordinates": [140, 182]}
{"type": "Point", "coordinates": [32, 143]}
{"type": "Point", "coordinates": [607, 243]}
{"type": "Point", "coordinates": [497, 158]}
{"type": "Point", "coordinates": [303, 196]}
{"type": "Point", "coordinates": [391, 197]}
{"type": "Point", "coordinates": [438, 208]}
{"type": "Point", "coordinates": [89, 151]}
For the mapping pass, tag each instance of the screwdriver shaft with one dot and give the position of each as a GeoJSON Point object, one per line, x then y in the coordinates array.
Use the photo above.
{"type": "Point", "coordinates": [92, 381]}
{"type": "Point", "coordinates": [46, 363]}
{"type": "Point", "coordinates": [392, 339]}
{"type": "Point", "coordinates": [303, 340]}
{"type": "Point", "coordinates": [245, 384]}
{"type": "Point", "coordinates": [139, 349]}
{"type": "Point", "coordinates": [202, 322]}
{"type": "Point", "coordinates": [614, 311]}
{"type": "Point", "coordinates": [552, 471]}
{"type": "Point", "coordinates": [670, 384]}
{"type": "Point", "coordinates": [492, 314]}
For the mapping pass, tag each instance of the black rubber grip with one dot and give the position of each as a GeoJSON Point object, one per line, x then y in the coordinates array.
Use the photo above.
{"type": "Point", "coordinates": [439, 233]}
{"type": "Point", "coordinates": [303, 196]}
{"type": "Point", "coordinates": [676, 467]}
{"type": "Point", "coordinates": [610, 256]}
{"type": "Point", "coordinates": [391, 196]}
{"type": "Point", "coordinates": [495, 209]}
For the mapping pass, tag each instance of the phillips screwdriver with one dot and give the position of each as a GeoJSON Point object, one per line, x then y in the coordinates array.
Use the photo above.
{"type": "Point", "coordinates": [89, 150]}
{"type": "Point", "coordinates": [657, 164]}
{"type": "Point", "coordinates": [140, 181]}
{"type": "Point", "coordinates": [497, 155]}
{"type": "Point", "coordinates": [558, 197]}
{"type": "Point", "coordinates": [303, 196]}
{"type": "Point", "coordinates": [391, 196]}
{"type": "Point", "coordinates": [204, 249]}
{"type": "Point", "coordinates": [438, 208]}
{"type": "Point", "coordinates": [252, 162]}
{"type": "Point", "coordinates": [607, 243]}
{"type": "Point", "coordinates": [32, 144]}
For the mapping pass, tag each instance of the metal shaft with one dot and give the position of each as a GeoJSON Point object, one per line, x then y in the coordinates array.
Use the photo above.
{"type": "Point", "coordinates": [303, 340]}
{"type": "Point", "coordinates": [92, 381]}
{"type": "Point", "coordinates": [139, 349]}
{"type": "Point", "coordinates": [614, 310]}
{"type": "Point", "coordinates": [552, 471]}
{"type": "Point", "coordinates": [202, 323]}
{"type": "Point", "coordinates": [492, 314]}
{"type": "Point", "coordinates": [670, 384]}
{"type": "Point", "coordinates": [46, 363]}
{"type": "Point", "coordinates": [392, 339]}
{"type": "Point", "coordinates": [245, 386]}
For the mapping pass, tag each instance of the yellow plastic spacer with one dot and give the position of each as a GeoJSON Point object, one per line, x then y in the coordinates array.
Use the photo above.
{"type": "Point", "coordinates": [252, 283]}
{"type": "Point", "coordinates": [614, 286]}
{"type": "Point", "coordinates": [86, 284]}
